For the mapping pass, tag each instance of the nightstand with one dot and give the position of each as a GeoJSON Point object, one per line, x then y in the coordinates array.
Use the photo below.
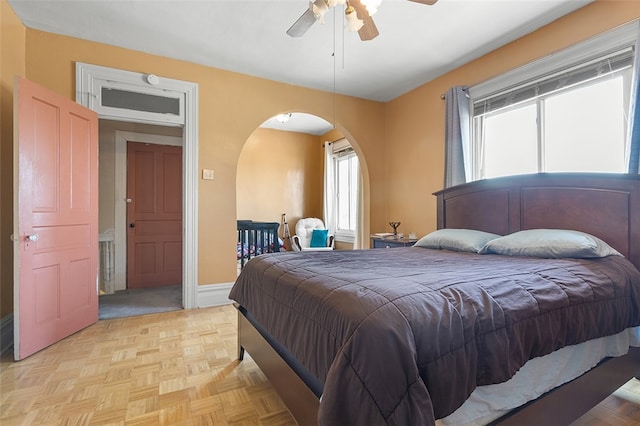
{"type": "Point", "coordinates": [390, 242]}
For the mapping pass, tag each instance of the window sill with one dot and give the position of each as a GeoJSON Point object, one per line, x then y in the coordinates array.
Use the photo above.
{"type": "Point", "coordinates": [345, 237]}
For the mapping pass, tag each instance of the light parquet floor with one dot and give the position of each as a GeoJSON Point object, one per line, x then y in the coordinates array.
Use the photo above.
{"type": "Point", "coordinates": [174, 368]}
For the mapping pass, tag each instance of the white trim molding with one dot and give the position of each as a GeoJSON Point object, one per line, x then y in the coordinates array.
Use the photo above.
{"type": "Point", "coordinates": [92, 82]}
{"type": "Point", "coordinates": [89, 82]}
{"type": "Point", "coordinates": [214, 295]}
{"type": "Point", "coordinates": [120, 214]}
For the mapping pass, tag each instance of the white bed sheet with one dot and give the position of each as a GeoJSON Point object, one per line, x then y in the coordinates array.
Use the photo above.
{"type": "Point", "coordinates": [539, 376]}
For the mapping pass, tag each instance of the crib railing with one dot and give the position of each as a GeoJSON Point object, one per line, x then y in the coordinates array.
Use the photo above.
{"type": "Point", "coordinates": [255, 238]}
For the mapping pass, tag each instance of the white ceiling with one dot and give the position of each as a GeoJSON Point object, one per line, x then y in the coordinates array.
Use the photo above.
{"type": "Point", "coordinates": [417, 43]}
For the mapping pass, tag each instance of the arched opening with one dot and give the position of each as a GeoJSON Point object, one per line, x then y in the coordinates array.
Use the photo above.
{"type": "Point", "coordinates": [281, 170]}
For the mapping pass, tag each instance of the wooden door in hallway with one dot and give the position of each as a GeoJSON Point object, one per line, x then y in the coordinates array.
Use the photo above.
{"type": "Point", "coordinates": [154, 215]}
{"type": "Point", "coordinates": [56, 225]}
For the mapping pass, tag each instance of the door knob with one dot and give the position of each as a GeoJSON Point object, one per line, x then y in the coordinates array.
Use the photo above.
{"type": "Point", "coordinates": [32, 237]}
{"type": "Point", "coordinates": [132, 225]}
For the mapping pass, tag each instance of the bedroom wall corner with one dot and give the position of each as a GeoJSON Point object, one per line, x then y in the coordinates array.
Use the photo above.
{"type": "Point", "coordinates": [12, 63]}
{"type": "Point", "coordinates": [279, 172]}
{"type": "Point", "coordinates": [415, 121]}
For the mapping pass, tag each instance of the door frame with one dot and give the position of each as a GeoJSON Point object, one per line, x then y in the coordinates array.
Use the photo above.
{"type": "Point", "coordinates": [89, 81]}
{"type": "Point", "coordinates": [120, 228]}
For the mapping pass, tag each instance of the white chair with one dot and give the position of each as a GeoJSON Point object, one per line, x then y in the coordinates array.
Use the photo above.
{"type": "Point", "coordinates": [304, 234]}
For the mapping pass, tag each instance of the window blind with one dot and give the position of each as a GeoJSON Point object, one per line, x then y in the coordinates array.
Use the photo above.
{"type": "Point", "coordinates": [555, 81]}
{"type": "Point", "coordinates": [341, 147]}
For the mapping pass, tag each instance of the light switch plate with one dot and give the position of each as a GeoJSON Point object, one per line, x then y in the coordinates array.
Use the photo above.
{"type": "Point", "coordinates": [207, 174]}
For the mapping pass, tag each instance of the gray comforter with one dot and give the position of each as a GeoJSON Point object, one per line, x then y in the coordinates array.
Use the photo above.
{"type": "Point", "coordinates": [403, 336]}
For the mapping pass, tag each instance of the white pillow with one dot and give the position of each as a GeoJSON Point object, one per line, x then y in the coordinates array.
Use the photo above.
{"type": "Point", "coordinates": [469, 240]}
{"type": "Point", "coordinates": [550, 243]}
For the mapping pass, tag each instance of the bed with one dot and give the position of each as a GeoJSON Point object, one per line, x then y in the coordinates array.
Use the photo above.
{"type": "Point", "coordinates": [427, 358]}
{"type": "Point", "coordinates": [256, 238]}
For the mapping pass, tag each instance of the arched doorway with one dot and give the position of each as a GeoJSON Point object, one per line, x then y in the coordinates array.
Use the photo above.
{"type": "Point", "coordinates": [281, 170]}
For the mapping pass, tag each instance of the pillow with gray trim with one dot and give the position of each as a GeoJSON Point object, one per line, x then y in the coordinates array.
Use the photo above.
{"type": "Point", "coordinates": [550, 243]}
{"type": "Point", "coordinates": [468, 240]}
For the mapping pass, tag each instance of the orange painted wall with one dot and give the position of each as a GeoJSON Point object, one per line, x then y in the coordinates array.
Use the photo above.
{"type": "Point", "coordinates": [280, 172]}
{"type": "Point", "coordinates": [231, 107]}
{"type": "Point", "coordinates": [12, 63]}
{"type": "Point", "coordinates": [415, 121]}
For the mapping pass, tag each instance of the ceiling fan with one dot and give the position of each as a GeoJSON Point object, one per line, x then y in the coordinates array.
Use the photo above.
{"type": "Point", "coordinates": [358, 15]}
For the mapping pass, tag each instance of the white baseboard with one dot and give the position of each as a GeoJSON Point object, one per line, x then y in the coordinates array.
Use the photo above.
{"type": "Point", "coordinates": [6, 333]}
{"type": "Point", "coordinates": [214, 295]}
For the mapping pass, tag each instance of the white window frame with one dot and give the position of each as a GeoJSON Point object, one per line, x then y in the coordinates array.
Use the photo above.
{"type": "Point", "coordinates": [345, 235]}
{"type": "Point", "coordinates": [617, 39]}
{"type": "Point", "coordinates": [342, 150]}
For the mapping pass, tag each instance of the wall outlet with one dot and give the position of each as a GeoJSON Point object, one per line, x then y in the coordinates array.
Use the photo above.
{"type": "Point", "coordinates": [207, 174]}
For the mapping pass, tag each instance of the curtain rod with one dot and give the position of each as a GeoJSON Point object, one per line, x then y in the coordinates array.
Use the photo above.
{"type": "Point", "coordinates": [443, 96]}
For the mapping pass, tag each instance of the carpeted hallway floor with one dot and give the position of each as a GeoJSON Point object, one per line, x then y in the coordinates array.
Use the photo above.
{"type": "Point", "coordinates": [128, 303]}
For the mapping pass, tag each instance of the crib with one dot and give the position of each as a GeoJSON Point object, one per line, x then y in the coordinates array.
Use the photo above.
{"type": "Point", "coordinates": [256, 238]}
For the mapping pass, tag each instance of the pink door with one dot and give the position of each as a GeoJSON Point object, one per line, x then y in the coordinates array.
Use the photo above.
{"type": "Point", "coordinates": [154, 215]}
{"type": "Point", "coordinates": [56, 246]}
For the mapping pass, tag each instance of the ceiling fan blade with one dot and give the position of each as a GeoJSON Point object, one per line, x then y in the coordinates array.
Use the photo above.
{"type": "Point", "coordinates": [369, 31]}
{"type": "Point", "coordinates": [428, 2]}
{"type": "Point", "coordinates": [302, 25]}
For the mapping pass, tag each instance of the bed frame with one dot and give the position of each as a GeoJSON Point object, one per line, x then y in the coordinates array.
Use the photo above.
{"type": "Point", "coordinates": [604, 205]}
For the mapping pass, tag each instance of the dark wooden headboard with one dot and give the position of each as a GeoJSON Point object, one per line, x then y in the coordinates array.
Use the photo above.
{"type": "Point", "coordinates": [604, 205]}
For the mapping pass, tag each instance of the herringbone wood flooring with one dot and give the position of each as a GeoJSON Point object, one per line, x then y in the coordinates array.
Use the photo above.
{"type": "Point", "coordinates": [174, 368]}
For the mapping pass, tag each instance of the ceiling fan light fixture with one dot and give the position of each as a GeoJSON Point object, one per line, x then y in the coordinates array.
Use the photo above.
{"type": "Point", "coordinates": [371, 6]}
{"type": "Point", "coordinates": [353, 24]}
{"type": "Point", "coordinates": [319, 8]}
{"type": "Point", "coordinates": [283, 118]}
{"type": "Point", "coordinates": [364, 9]}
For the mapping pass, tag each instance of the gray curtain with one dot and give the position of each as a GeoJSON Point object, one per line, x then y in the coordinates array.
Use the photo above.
{"type": "Point", "coordinates": [457, 169]}
{"type": "Point", "coordinates": [633, 145]}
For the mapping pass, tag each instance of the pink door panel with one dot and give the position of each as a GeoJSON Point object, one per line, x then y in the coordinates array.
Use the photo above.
{"type": "Point", "coordinates": [57, 235]}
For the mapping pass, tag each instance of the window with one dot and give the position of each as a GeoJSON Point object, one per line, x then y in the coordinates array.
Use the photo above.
{"type": "Point", "coordinates": [567, 113]}
{"type": "Point", "coordinates": [142, 98]}
{"type": "Point", "coordinates": [346, 168]}
{"type": "Point", "coordinates": [341, 198]}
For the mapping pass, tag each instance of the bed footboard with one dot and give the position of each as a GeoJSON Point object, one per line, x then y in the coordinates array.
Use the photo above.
{"type": "Point", "coordinates": [299, 399]}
